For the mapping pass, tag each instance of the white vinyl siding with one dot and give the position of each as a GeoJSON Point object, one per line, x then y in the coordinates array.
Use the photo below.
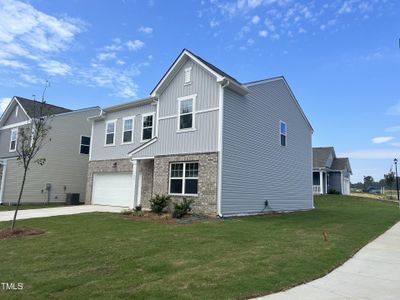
{"type": "Point", "coordinates": [127, 131]}
{"type": "Point", "coordinates": [110, 133]}
{"type": "Point", "coordinates": [183, 179]}
{"type": "Point", "coordinates": [147, 126]}
{"type": "Point", "coordinates": [13, 140]}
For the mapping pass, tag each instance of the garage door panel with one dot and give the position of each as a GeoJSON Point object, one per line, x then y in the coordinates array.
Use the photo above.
{"type": "Point", "coordinates": [115, 189]}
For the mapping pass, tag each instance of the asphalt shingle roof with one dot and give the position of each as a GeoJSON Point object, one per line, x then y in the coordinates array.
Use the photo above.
{"type": "Point", "coordinates": [320, 156]}
{"type": "Point", "coordinates": [340, 163]}
{"type": "Point", "coordinates": [32, 108]}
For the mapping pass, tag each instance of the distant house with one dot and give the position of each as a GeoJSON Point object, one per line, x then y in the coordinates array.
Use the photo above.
{"type": "Point", "coordinates": [330, 173]}
{"type": "Point", "coordinates": [67, 153]}
{"type": "Point", "coordinates": [233, 148]}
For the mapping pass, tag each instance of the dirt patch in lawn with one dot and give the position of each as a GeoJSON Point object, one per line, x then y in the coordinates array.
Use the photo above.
{"type": "Point", "coordinates": [167, 218]}
{"type": "Point", "coordinates": [19, 232]}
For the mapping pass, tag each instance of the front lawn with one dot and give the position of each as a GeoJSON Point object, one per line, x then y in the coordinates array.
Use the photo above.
{"type": "Point", "coordinates": [109, 256]}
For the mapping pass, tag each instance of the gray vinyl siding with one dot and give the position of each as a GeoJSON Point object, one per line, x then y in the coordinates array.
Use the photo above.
{"type": "Point", "coordinates": [255, 167]}
{"type": "Point", "coordinates": [5, 138]}
{"type": "Point", "coordinates": [12, 118]}
{"type": "Point", "coordinates": [102, 152]}
{"type": "Point", "coordinates": [335, 181]}
{"type": "Point", "coordinates": [64, 166]}
{"type": "Point", "coordinates": [205, 137]}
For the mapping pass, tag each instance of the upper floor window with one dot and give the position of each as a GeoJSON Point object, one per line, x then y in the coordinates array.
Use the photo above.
{"type": "Point", "coordinates": [147, 126]}
{"type": "Point", "coordinates": [283, 133]}
{"type": "Point", "coordinates": [85, 145]}
{"type": "Point", "coordinates": [186, 112]}
{"type": "Point", "coordinates": [184, 178]}
{"type": "Point", "coordinates": [16, 111]}
{"type": "Point", "coordinates": [110, 132]}
{"type": "Point", "coordinates": [127, 132]}
{"type": "Point", "coordinates": [13, 139]}
{"type": "Point", "coordinates": [188, 75]}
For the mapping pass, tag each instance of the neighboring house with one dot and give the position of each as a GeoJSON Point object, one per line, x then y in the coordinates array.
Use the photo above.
{"type": "Point", "coordinates": [234, 148]}
{"type": "Point", "coordinates": [330, 173]}
{"type": "Point", "coordinates": [66, 153]}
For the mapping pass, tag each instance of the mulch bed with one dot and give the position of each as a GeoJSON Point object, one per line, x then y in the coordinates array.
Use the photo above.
{"type": "Point", "coordinates": [19, 232]}
{"type": "Point", "coordinates": [167, 219]}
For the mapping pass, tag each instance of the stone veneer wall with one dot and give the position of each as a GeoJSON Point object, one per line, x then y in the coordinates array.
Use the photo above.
{"type": "Point", "coordinates": [147, 169]}
{"type": "Point", "coordinates": [104, 166]}
{"type": "Point", "coordinates": [206, 201]}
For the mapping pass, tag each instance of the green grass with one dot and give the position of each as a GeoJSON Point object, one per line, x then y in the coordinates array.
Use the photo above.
{"type": "Point", "coordinates": [108, 256]}
{"type": "Point", "coordinates": [6, 207]}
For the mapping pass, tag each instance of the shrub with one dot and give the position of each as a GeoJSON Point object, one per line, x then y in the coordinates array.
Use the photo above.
{"type": "Point", "coordinates": [182, 209]}
{"type": "Point", "coordinates": [333, 192]}
{"type": "Point", "coordinates": [159, 202]}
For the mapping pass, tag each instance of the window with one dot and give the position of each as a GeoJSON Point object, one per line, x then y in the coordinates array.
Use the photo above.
{"type": "Point", "coordinates": [127, 132]}
{"type": "Point", "coordinates": [16, 111]}
{"type": "Point", "coordinates": [184, 178]}
{"type": "Point", "coordinates": [186, 112]}
{"type": "Point", "coordinates": [85, 145]}
{"type": "Point", "coordinates": [188, 74]}
{"type": "Point", "coordinates": [147, 126]}
{"type": "Point", "coordinates": [283, 133]}
{"type": "Point", "coordinates": [13, 139]}
{"type": "Point", "coordinates": [110, 132]}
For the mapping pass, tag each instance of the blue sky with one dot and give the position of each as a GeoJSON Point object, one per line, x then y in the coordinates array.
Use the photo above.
{"type": "Point", "coordinates": [341, 58]}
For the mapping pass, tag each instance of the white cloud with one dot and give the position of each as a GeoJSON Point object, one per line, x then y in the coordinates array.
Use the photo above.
{"type": "Point", "coordinates": [3, 104]}
{"type": "Point", "coordinates": [146, 30]}
{"type": "Point", "coordinates": [214, 23]}
{"type": "Point", "coordinates": [396, 144]}
{"type": "Point", "coordinates": [393, 129]}
{"type": "Point", "coordinates": [382, 139]}
{"type": "Point", "coordinates": [29, 78]}
{"type": "Point", "coordinates": [394, 109]}
{"type": "Point", "coordinates": [255, 19]}
{"type": "Point", "coordinates": [106, 56]}
{"type": "Point", "coordinates": [53, 67]}
{"type": "Point", "coordinates": [372, 154]}
{"type": "Point", "coordinates": [135, 45]}
{"type": "Point", "coordinates": [263, 33]}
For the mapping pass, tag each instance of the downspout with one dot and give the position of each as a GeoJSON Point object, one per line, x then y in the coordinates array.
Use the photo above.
{"type": "Point", "coordinates": [224, 84]}
{"type": "Point", "coordinates": [3, 180]}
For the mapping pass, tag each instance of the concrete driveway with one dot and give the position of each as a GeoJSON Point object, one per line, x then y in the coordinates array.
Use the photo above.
{"type": "Point", "coordinates": [373, 273]}
{"type": "Point", "coordinates": [57, 211]}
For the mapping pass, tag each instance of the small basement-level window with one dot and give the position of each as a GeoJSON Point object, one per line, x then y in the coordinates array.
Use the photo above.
{"type": "Point", "coordinates": [110, 132]}
{"type": "Point", "coordinates": [186, 112]}
{"type": "Point", "coordinates": [184, 178]}
{"type": "Point", "coordinates": [85, 145]}
{"type": "Point", "coordinates": [283, 133]}
{"type": "Point", "coordinates": [13, 139]}
{"type": "Point", "coordinates": [147, 126]}
{"type": "Point", "coordinates": [127, 133]}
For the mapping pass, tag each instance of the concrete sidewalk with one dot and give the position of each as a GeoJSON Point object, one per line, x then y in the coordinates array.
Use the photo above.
{"type": "Point", "coordinates": [373, 273]}
{"type": "Point", "coordinates": [57, 211]}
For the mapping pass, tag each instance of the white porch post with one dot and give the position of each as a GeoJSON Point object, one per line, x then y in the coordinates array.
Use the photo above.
{"type": "Point", "coordinates": [135, 185]}
{"type": "Point", "coordinates": [3, 180]}
{"type": "Point", "coordinates": [321, 182]}
{"type": "Point", "coordinates": [326, 182]}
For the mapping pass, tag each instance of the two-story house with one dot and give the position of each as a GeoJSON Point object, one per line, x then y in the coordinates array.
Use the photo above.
{"type": "Point", "coordinates": [66, 152]}
{"type": "Point", "coordinates": [234, 148]}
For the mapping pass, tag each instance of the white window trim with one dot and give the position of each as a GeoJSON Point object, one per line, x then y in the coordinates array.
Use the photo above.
{"type": "Point", "coordinates": [115, 131]}
{"type": "Point", "coordinates": [16, 140]}
{"type": "Point", "coordinates": [183, 178]}
{"type": "Point", "coordinates": [180, 99]}
{"type": "Point", "coordinates": [187, 70]}
{"type": "Point", "coordinates": [80, 144]}
{"type": "Point", "coordinates": [152, 127]}
{"type": "Point", "coordinates": [123, 129]}
{"type": "Point", "coordinates": [280, 133]}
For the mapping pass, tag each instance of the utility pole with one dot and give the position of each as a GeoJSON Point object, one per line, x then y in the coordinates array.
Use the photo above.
{"type": "Point", "coordinates": [397, 181]}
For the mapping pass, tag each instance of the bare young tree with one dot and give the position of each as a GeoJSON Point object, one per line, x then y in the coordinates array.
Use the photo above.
{"type": "Point", "coordinates": [31, 139]}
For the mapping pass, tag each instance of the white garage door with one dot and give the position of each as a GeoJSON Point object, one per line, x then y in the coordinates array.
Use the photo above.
{"type": "Point", "coordinates": [113, 189]}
